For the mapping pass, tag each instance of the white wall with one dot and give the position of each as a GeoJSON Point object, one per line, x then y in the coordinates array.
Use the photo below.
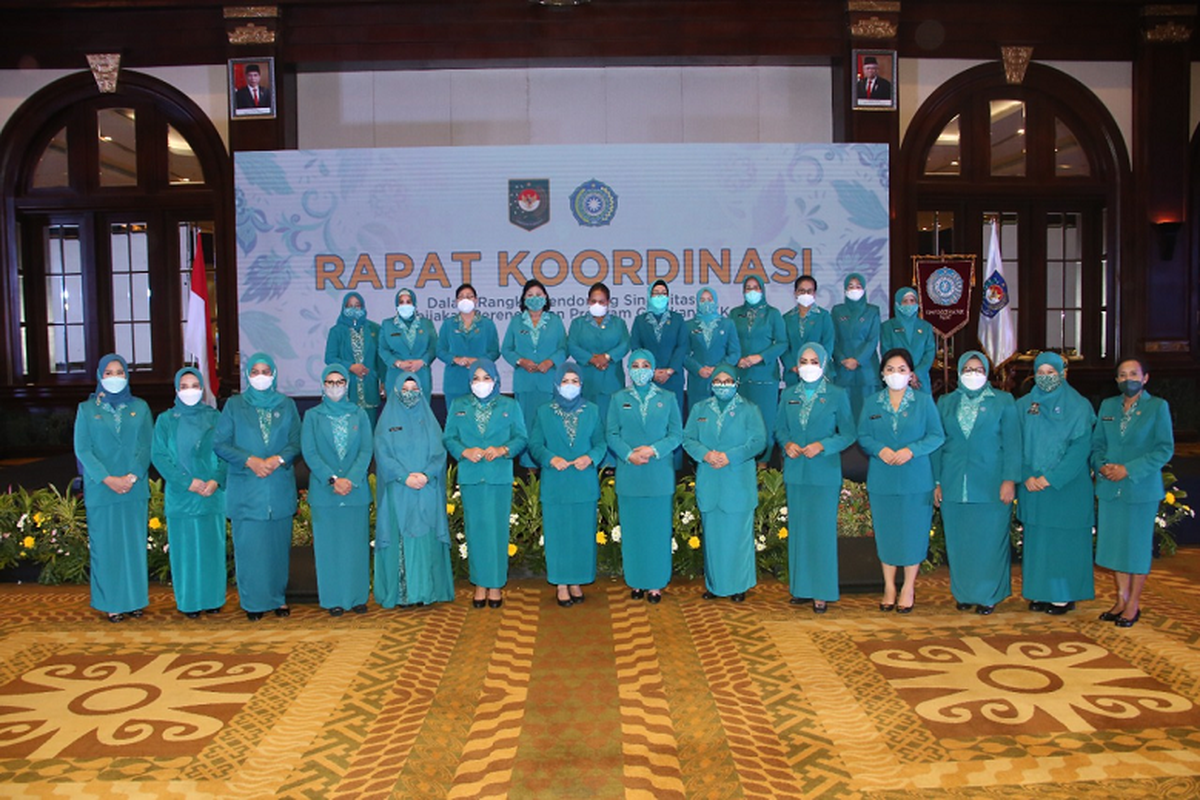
{"type": "Point", "coordinates": [564, 106]}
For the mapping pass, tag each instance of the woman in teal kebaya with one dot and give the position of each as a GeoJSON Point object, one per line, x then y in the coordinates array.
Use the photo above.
{"type": "Point", "coordinates": [354, 341]}
{"type": "Point", "coordinates": [806, 323]}
{"type": "Point", "coordinates": [643, 429]}
{"type": "Point", "coordinates": [712, 340]}
{"type": "Point", "coordinates": [763, 340]}
{"type": "Point", "coordinates": [412, 534]}
{"type": "Point", "coordinates": [485, 431]}
{"type": "Point", "coordinates": [597, 342]}
{"type": "Point", "coordinates": [1055, 498]}
{"type": "Point", "coordinates": [899, 428]}
{"type": "Point", "coordinates": [464, 339]}
{"type": "Point", "coordinates": [856, 342]}
{"type": "Point", "coordinates": [408, 342]}
{"type": "Point", "coordinates": [258, 436]}
{"type": "Point", "coordinates": [337, 442]}
{"type": "Point", "coordinates": [194, 501]}
{"type": "Point", "coordinates": [1131, 444]}
{"type": "Point", "coordinates": [907, 329]}
{"type": "Point", "coordinates": [723, 435]}
{"type": "Point", "coordinates": [535, 344]}
{"type": "Point", "coordinates": [113, 440]}
{"type": "Point", "coordinates": [977, 470]}
{"type": "Point", "coordinates": [813, 426]}
{"type": "Point", "coordinates": [664, 333]}
{"type": "Point", "coordinates": [567, 442]}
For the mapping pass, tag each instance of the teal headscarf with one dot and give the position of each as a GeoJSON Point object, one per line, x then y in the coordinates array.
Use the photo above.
{"type": "Point", "coordinates": [761, 288]}
{"type": "Point", "coordinates": [970, 402]}
{"type": "Point", "coordinates": [1063, 416]}
{"type": "Point", "coordinates": [962, 362]}
{"type": "Point", "coordinates": [707, 317]}
{"type": "Point", "coordinates": [335, 408]}
{"type": "Point", "coordinates": [897, 316]}
{"type": "Point", "coordinates": [638, 355]}
{"type": "Point", "coordinates": [180, 406]}
{"type": "Point", "coordinates": [396, 302]}
{"type": "Point", "coordinates": [267, 398]}
{"type": "Point", "coordinates": [347, 321]}
{"type": "Point", "coordinates": [650, 296]}
{"type": "Point", "coordinates": [195, 422]}
{"type": "Point", "coordinates": [117, 399]}
{"type": "Point", "coordinates": [810, 389]}
{"type": "Point", "coordinates": [855, 305]}
{"type": "Point", "coordinates": [563, 369]}
{"type": "Point", "coordinates": [490, 368]}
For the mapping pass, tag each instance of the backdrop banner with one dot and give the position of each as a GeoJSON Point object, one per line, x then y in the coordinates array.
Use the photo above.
{"type": "Point", "coordinates": [312, 225]}
{"type": "Point", "coordinates": [944, 285]}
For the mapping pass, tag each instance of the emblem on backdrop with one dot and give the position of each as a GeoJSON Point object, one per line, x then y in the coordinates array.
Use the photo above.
{"type": "Point", "coordinates": [594, 204]}
{"type": "Point", "coordinates": [944, 286]}
{"type": "Point", "coordinates": [995, 295]}
{"type": "Point", "coordinates": [529, 203]}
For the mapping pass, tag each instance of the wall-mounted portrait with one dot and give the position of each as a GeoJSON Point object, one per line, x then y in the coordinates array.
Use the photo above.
{"type": "Point", "coordinates": [875, 80]}
{"type": "Point", "coordinates": [251, 88]}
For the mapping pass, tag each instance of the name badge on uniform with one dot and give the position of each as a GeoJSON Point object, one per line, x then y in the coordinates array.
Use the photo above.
{"type": "Point", "coordinates": [876, 416]}
{"type": "Point", "coordinates": [1034, 409]}
{"type": "Point", "coordinates": [796, 402]}
{"type": "Point", "coordinates": [701, 419]}
{"type": "Point", "coordinates": [395, 429]}
{"type": "Point", "coordinates": [626, 405]}
{"type": "Point", "coordinates": [1108, 419]}
{"type": "Point", "coordinates": [460, 413]}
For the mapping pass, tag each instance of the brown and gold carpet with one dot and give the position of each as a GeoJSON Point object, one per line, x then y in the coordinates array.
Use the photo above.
{"type": "Point", "coordinates": [612, 698]}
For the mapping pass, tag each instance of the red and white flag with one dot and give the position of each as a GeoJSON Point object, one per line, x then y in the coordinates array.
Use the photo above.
{"type": "Point", "coordinates": [198, 333]}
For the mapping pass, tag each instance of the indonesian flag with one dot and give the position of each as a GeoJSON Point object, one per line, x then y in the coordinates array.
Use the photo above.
{"type": "Point", "coordinates": [198, 333]}
{"type": "Point", "coordinates": [996, 332]}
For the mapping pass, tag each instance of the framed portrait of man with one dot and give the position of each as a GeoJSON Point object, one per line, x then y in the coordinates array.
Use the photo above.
{"type": "Point", "coordinates": [251, 88]}
{"type": "Point", "coordinates": [874, 80]}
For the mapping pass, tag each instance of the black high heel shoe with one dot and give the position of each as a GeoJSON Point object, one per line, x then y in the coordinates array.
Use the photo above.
{"type": "Point", "coordinates": [654, 597]}
{"type": "Point", "coordinates": [495, 603]}
{"type": "Point", "coordinates": [1057, 610]}
{"type": "Point", "coordinates": [820, 606]}
{"type": "Point", "coordinates": [963, 606]}
{"type": "Point", "coordinates": [637, 594]}
{"type": "Point", "coordinates": [1128, 622]}
{"type": "Point", "coordinates": [908, 608]}
{"type": "Point", "coordinates": [479, 603]}
{"type": "Point", "coordinates": [283, 611]}
{"type": "Point", "coordinates": [116, 617]}
{"type": "Point", "coordinates": [577, 598]}
{"type": "Point", "coordinates": [254, 616]}
{"type": "Point", "coordinates": [570, 601]}
{"type": "Point", "coordinates": [1110, 616]}
{"type": "Point", "coordinates": [886, 607]}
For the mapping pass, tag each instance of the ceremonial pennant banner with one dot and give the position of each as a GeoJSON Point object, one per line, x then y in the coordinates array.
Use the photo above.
{"type": "Point", "coordinates": [944, 284]}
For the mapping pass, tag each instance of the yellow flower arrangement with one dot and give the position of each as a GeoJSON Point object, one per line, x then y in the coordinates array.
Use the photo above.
{"type": "Point", "coordinates": [450, 508]}
{"type": "Point", "coordinates": [28, 543]}
{"type": "Point", "coordinates": [782, 533]}
{"type": "Point", "coordinates": [512, 549]}
{"type": "Point", "coordinates": [601, 538]}
{"type": "Point", "coordinates": [155, 523]}
{"type": "Point", "coordinates": [1170, 498]}
{"type": "Point", "coordinates": [38, 517]}
{"type": "Point", "coordinates": [694, 542]}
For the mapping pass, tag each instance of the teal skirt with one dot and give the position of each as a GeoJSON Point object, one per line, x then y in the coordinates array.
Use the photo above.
{"type": "Point", "coordinates": [1056, 564]}
{"type": "Point", "coordinates": [812, 541]}
{"type": "Point", "coordinates": [766, 397]}
{"type": "Point", "coordinates": [414, 569]}
{"type": "Point", "coordinates": [1125, 536]}
{"type": "Point", "coordinates": [486, 508]}
{"type": "Point", "coordinates": [902, 527]}
{"type": "Point", "coordinates": [117, 548]}
{"type": "Point", "coordinates": [979, 550]}
{"type": "Point", "coordinates": [342, 550]}
{"type": "Point", "coordinates": [646, 540]}
{"type": "Point", "coordinates": [197, 561]}
{"type": "Point", "coordinates": [729, 551]}
{"type": "Point", "coordinates": [569, 531]}
{"type": "Point", "coordinates": [262, 550]}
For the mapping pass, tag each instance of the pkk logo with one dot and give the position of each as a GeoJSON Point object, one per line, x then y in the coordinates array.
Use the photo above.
{"type": "Point", "coordinates": [529, 203]}
{"type": "Point", "coordinates": [944, 286]}
{"type": "Point", "coordinates": [995, 295]}
{"type": "Point", "coordinates": [594, 204]}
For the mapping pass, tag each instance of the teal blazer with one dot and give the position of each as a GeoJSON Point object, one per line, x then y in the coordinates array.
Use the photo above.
{"type": "Point", "coordinates": [238, 437]}
{"type": "Point", "coordinates": [670, 351]}
{"type": "Point", "coordinates": [1068, 502]}
{"type": "Point", "coordinates": [586, 339]}
{"type": "Point", "coordinates": [662, 429]}
{"type": "Point", "coordinates": [724, 349]}
{"type": "Point", "coordinates": [205, 466]}
{"type": "Point", "coordinates": [1146, 447]}
{"type": "Point", "coordinates": [741, 438]}
{"type": "Point", "coordinates": [103, 451]}
{"type": "Point", "coordinates": [919, 429]}
{"type": "Point", "coordinates": [920, 345]}
{"type": "Point", "coordinates": [518, 344]}
{"type": "Point", "coordinates": [481, 341]}
{"type": "Point", "coordinates": [766, 337]}
{"type": "Point", "coordinates": [549, 439]}
{"type": "Point", "coordinates": [339, 349]}
{"type": "Point", "coordinates": [830, 422]}
{"type": "Point", "coordinates": [817, 327]}
{"type": "Point", "coordinates": [856, 335]}
{"type": "Point", "coordinates": [393, 347]}
{"type": "Point", "coordinates": [970, 470]}
{"type": "Point", "coordinates": [316, 442]}
{"type": "Point", "coordinates": [505, 428]}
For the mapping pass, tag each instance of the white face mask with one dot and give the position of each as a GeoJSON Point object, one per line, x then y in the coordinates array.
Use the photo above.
{"type": "Point", "coordinates": [855, 294]}
{"type": "Point", "coordinates": [811, 372]}
{"type": "Point", "coordinates": [973, 381]}
{"type": "Point", "coordinates": [114, 385]}
{"type": "Point", "coordinates": [189, 397]}
{"type": "Point", "coordinates": [335, 393]}
{"type": "Point", "coordinates": [262, 382]}
{"type": "Point", "coordinates": [482, 389]}
{"type": "Point", "coordinates": [805, 300]}
{"type": "Point", "coordinates": [897, 380]}
{"type": "Point", "coordinates": [466, 305]}
{"type": "Point", "coordinates": [597, 310]}
{"type": "Point", "coordinates": [406, 312]}
{"type": "Point", "coordinates": [569, 391]}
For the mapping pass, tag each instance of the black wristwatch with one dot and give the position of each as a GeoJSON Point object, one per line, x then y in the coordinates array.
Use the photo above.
{"type": "Point", "coordinates": [332, 479]}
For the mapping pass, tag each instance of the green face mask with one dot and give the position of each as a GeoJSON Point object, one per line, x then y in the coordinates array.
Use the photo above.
{"type": "Point", "coordinates": [1048, 382]}
{"type": "Point", "coordinates": [724, 391]}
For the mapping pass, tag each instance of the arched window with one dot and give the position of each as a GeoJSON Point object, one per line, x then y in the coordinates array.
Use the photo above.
{"type": "Point", "coordinates": [110, 195]}
{"type": "Point", "coordinates": [1046, 159]}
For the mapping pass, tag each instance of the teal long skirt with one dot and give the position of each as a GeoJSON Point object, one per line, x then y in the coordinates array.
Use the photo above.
{"type": "Point", "coordinates": [342, 549]}
{"type": "Point", "coordinates": [414, 569]}
{"type": "Point", "coordinates": [729, 551]}
{"type": "Point", "coordinates": [486, 508]}
{"type": "Point", "coordinates": [197, 561]}
{"type": "Point", "coordinates": [979, 550]}
{"type": "Point", "coordinates": [1056, 564]}
{"type": "Point", "coordinates": [902, 524]}
{"type": "Point", "coordinates": [1125, 536]}
{"type": "Point", "coordinates": [646, 540]}
{"type": "Point", "coordinates": [117, 547]}
{"type": "Point", "coordinates": [766, 397]}
{"type": "Point", "coordinates": [812, 541]}
{"type": "Point", "coordinates": [569, 530]}
{"type": "Point", "coordinates": [262, 549]}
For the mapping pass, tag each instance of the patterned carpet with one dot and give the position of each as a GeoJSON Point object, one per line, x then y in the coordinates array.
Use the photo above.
{"type": "Point", "coordinates": [612, 698]}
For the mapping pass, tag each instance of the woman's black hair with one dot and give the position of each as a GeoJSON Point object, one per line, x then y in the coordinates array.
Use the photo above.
{"type": "Point", "coordinates": [796, 283]}
{"type": "Point", "coordinates": [462, 286]}
{"type": "Point", "coordinates": [894, 352]}
{"type": "Point", "coordinates": [1137, 360]}
{"type": "Point", "coordinates": [529, 284]}
{"type": "Point", "coordinates": [600, 287]}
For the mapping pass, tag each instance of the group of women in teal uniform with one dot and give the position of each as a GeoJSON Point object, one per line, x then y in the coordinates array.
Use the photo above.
{"type": "Point", "coordinates": [971, 454]}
